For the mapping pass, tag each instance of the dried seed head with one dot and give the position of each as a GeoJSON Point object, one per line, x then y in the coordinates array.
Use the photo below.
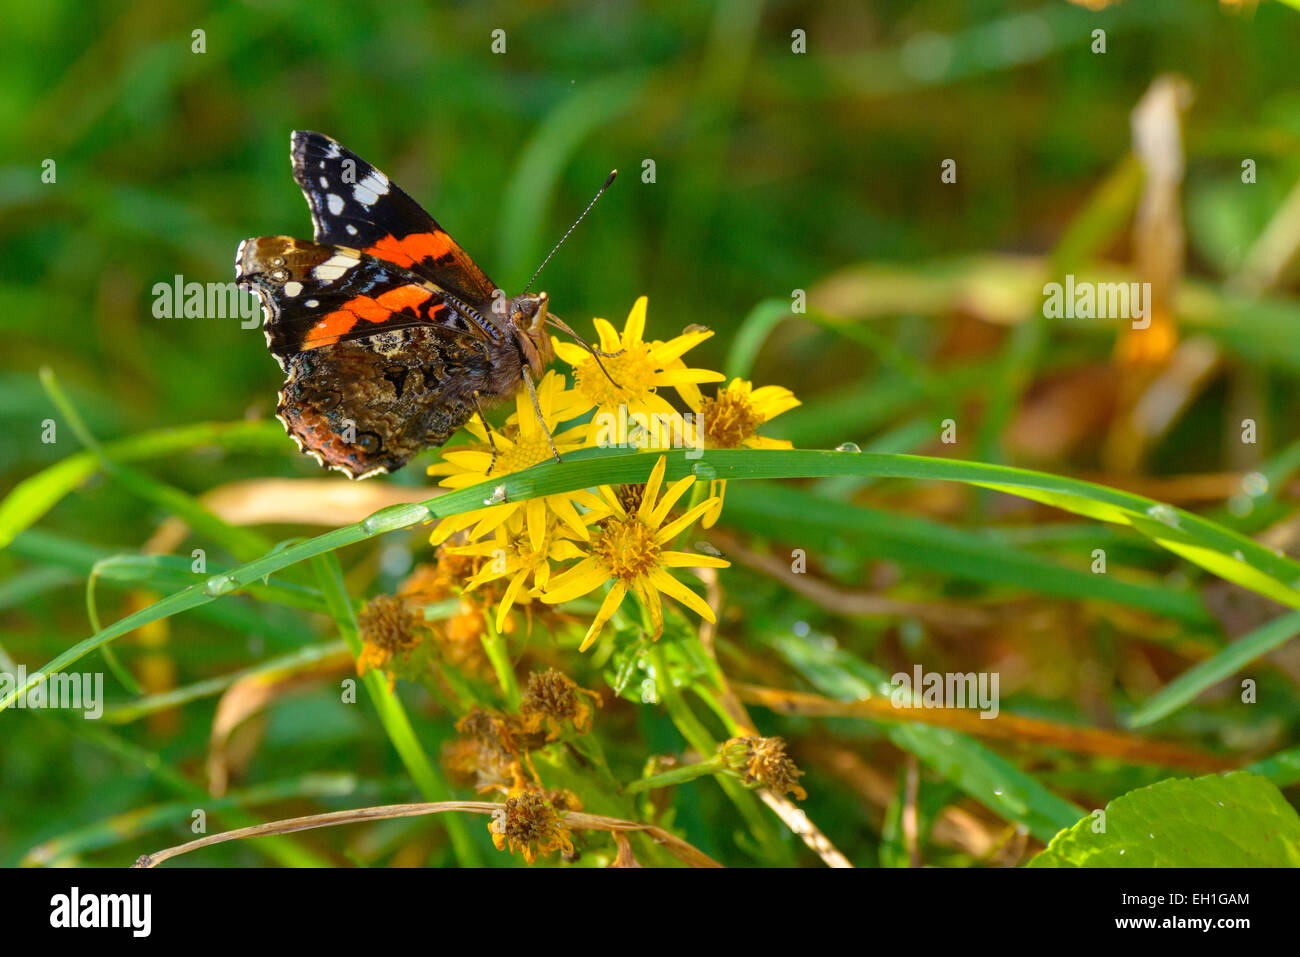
{"type": "Point", "coordinates": [529, 824]}
{"type": "Point", "coordinates": [764, 763]}
{"type": "Point", "coordinates": [389, 628]}
{"type": "Point", "coordinates": [552, 698]}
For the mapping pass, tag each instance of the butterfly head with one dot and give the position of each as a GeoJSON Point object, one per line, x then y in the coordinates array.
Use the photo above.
{"type": "Point", "coordinates": [528, 324]}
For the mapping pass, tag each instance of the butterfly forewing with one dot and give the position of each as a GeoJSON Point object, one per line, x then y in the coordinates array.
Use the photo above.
{"type": "Point", "coordinates": [354, 204]}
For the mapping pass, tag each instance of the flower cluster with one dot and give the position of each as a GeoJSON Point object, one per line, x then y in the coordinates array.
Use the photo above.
{"type": "Point", "coordinates": [610, 540]}
{"type": "Point", "coordinates": [493, 754]}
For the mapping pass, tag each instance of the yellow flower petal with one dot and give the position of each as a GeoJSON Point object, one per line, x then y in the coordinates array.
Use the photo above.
{"type": "Point", "coordinates": [634, 328]}
{"type": "Point", "coordinates": [508, 599]}
{"type": "Point", "coordinates": [575, 582]}
{"type": "Point", "coordinates": [663, 353]}
{"type": "Point", "coordinates": [535, 516]}
{"type": "Point", "coordinates": [669, 532]}
{"type": "Point", "coordinates": [654, 607]}
{"type": "Point", "coordinates": [670, 586]}
{"type": "Point", "coordinates": [607, 609]}
{"type": "Point", "coordinates": [691, 560]}
{"type": "Point", "coordinates": [718, 489]}
{"type": "Point", "coordinates": [670, 499]}
{"type": "Point", "coordinates": [652, 487]}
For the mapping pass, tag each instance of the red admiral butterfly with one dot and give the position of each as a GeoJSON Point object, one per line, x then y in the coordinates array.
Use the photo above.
{"type": "Point", "coordinates": [391, 335]}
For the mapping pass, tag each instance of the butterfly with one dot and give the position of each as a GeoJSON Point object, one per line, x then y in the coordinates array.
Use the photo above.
{"type": "Point", "coordinates": [390, 335]}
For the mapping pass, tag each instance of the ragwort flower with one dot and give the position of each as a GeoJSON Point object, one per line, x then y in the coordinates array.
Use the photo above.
{"type": "Point", "coordinates": [629, 548]}
{"type": "Point", "coordinates": [730, 420]}
{"type": "Point", "coordinates": [520, 445]}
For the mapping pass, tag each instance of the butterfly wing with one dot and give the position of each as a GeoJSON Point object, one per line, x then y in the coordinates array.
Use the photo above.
{"type": "Point", "coordinates": [354, 204]}
{"type": "Point", "coordinates": [381, 363]}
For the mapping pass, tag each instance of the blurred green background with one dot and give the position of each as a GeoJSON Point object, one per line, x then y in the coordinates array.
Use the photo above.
{"type": "Point", "coordinates": [773, 171]}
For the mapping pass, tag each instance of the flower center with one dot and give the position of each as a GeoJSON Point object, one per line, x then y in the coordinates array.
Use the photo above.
{"type": "Point", "coordinates": [729, 419]}
{"type": "Point", "coordinates": [525, 454]}
{"type": "Point", "coordinates": [626, 547]}
{"type": "Point", "coordinates": [633, 371]}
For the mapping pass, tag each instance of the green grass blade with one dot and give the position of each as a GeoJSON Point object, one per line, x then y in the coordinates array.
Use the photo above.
{"type": "Point", "coordinates": [1227, 662]}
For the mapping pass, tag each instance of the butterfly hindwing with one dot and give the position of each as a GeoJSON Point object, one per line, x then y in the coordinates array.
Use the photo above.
{"type": "Point", "coordinates": [315, 295]}
{"type": "Point", "coordinates": [380, 362]}
{"type": "Point", "coordinates": [355, 205]}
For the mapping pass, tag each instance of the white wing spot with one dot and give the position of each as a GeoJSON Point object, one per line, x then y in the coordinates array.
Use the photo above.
{"type": "Point", "coordinates": [334, 267]}
{"type": "Point", "coordinates": [335, 203]}
{"type": "Point", "coordinates": [292, 288]}
{"type": "Point", "coordinates": [324, 182]}
{"type": "Point", "coordinates": [352, 230]}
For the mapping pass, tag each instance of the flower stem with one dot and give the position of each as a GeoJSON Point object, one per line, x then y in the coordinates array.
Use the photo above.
{"type": "Point", "coordinates": [680, 775]}
{"type": "Point", "coordinates": [495, 646]}
{"type": "Point", "coordinates": [699, 738]}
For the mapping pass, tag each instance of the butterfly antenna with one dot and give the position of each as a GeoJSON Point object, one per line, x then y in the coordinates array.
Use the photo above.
{"type": "Point", "coordinates": [558, 323]}
{"type": "Point", "coordinates": [600, 192]}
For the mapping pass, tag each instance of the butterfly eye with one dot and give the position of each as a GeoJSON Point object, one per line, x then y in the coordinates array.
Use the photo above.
{"type": "Point", "coordinates": [368, 442]}
{"type": "Point", "coordinates": [328, 402]}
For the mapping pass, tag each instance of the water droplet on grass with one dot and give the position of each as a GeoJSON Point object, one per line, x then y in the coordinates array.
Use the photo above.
{"type": "Point", "coordinates": [702, 470]}
{"type": "Point", "coordinates": [848, 447]}
{"type": "Point", "coordinates": [1164, 515]}
{"type": "Point", "coordinates": [1254, 484]}
{"type": "Point", "coordinates": [395, 517]}
{"type": "Point", "coordinates": [220, 585]}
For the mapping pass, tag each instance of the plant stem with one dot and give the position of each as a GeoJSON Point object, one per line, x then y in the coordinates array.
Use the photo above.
{"type": "Point", "coordinates": [495, 646]}
{"type": "Point", "coordinates": [680, 775]}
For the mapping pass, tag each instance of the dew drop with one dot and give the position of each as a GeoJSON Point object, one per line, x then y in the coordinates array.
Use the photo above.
{"type": "Point", "coordinates": [848, 447]}
{"type": "Point", "coordinates": [220, 585]}
{"type": "Point", "coordinates": [497, 497]}
{"type": "Point", "coordinates": [1164, 515]}
{"type": "Point", "coordinates": [1254, 484]}
{"type": "Point", "coordinates": [702, 470]}
{"type": "Point", "coordinates": [395, 517]}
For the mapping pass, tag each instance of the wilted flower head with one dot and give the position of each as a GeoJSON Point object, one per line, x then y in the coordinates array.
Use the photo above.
{"type": "Point", "coordinates": [529, 824]}
{"type": "Point", "coordinates": [764, 763]}
{"type": "Point", "coordinates": [553, 698]}
{"type": "Point", "coordinates": [389, 629]}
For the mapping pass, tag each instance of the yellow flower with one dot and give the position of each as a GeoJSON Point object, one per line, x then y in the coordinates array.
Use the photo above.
{"type": "Point", "coordinates": [510, 554]}
{"type": "Point", "coordinates": [520, 445]}
{"type": "Point", "coordinates": [638, 372]}
{"type": "Point", "coordinates": [730, 420]}
{"type": "Point", "coordinates": [628, 548]}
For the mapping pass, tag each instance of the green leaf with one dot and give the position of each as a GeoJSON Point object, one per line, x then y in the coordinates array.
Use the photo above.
{"type": "Point", "coordinates": [1238, 820]}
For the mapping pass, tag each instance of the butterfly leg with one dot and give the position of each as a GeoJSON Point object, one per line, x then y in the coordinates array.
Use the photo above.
{"type": "Point", "coordinates": [491, 436]}
{"type": "Point", "coordinates": [537, 407]}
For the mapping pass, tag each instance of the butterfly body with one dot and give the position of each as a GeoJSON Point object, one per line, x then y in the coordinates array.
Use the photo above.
{"type": "Point", "coordinates": [390, 335]}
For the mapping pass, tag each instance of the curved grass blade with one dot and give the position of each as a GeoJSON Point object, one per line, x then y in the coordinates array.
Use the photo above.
{"type": "Point", "coordinates": [1220, 550]}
